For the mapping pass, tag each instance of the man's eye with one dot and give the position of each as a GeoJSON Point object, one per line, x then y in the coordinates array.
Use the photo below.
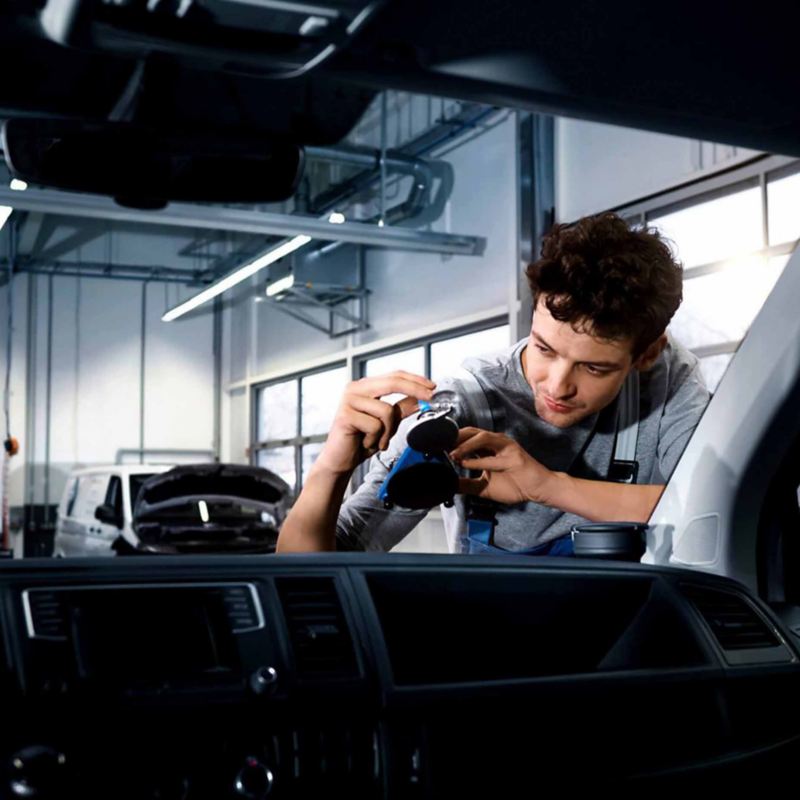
{"type": "Point", "coordinates": [595, 371]}
{"type": "Point", "coordinates": [543, 349]}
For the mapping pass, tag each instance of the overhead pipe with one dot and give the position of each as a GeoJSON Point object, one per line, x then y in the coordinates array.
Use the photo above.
{"type": "Point", "coordinates": [416, 168]}
{"type": "Point", "coordinates": [417, 199]}
{"type": "Point", "coordinates": [406, 161]}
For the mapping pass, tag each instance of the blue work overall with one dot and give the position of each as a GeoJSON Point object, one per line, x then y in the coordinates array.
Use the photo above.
{"type": "Point", "coordinates": [480, 534]}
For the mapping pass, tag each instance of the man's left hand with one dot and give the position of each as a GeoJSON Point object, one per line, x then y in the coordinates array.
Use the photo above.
{"type": "Point", "coordinates": [510, 475]}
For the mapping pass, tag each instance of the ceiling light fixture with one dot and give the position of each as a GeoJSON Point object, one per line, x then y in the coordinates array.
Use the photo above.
{"type": "Point", "coordinates": [17, 185]}
{"type": "Point", "coordinates": [336, 218]}
{"type": "Point", "coordinates": [239, 275]}
{"type": "Point", "coordinates": [5, 213]}
{"type": "Point", "coordinates": [280, 285]}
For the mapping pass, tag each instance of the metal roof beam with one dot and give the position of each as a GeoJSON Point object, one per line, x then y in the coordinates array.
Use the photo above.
{"type": "Point", "coordinates": [86, 269]}
{"type": "Point", "coordinates": [186, 215]}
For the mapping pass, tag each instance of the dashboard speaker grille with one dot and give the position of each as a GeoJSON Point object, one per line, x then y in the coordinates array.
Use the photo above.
{"type": "Point", "coordinates": [734, 623]}
{"type": "Point", "coordinates": [321, 641]}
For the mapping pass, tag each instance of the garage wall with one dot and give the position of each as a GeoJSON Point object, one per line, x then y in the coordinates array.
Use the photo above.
{"type": "Point", "coordinates": [408, 291]}
{"type": "Point", "coordinates": [178, 378]}
{"type": "Point", "coordinates": [18, 395]}
{"type": "Point", "coordinates": [416, 289]}
{"type": "Point", "coordinates": [93, 330]}
{"type": "Point", "coordinates": [603, 166]}
{"type": "Point", "coordinates": [94, 404]}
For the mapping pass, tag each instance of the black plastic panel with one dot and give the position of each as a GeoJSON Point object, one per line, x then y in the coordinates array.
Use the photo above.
{"type": "Point", "coordinates": [476, 677]}
{"type": "Point", "coordinates": [451, 627]}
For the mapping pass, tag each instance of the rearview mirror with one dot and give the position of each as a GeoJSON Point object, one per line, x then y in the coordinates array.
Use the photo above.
{"type": "Point", "coordinates": [105, 513]}
{"type": "Point", "coordinates": [142, 168]}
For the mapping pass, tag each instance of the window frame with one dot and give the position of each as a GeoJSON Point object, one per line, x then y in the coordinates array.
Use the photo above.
{"type": "Point", "coordinates": [298, 441]}
{"type": "Point", "coordinates": [357, 369]}
{"type": "Point", "coordinates": [426, 342]}
{"type": "Point", "coordinates": [758, 172]}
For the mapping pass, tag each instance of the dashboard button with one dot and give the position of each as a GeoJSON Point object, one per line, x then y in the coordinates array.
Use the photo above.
{"type": "Point", "coordinates": [254, 780]}
{"type": "Point", "coordinates": [264, 680]}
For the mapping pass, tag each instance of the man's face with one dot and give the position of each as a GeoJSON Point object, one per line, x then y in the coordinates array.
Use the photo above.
{"type": "Point", "coordinates": [573, 374]}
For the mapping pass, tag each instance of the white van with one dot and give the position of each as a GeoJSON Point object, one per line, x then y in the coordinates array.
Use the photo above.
{"type": "Point", "coordinates": [96, 508]}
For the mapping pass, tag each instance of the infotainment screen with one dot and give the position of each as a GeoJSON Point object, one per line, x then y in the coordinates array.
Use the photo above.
{"type": "Point", "coordinates": [146, 636]}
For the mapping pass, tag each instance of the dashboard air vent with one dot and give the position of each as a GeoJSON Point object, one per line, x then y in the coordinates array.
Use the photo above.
{"type": "Point", "coordinates": [734, 623]}
{"type": "Point", "coordinates": [320, 638]}
{"type": "Point", "coordinates": [241, 605]}
{"type": "Point", "coordinates": [45, 614]}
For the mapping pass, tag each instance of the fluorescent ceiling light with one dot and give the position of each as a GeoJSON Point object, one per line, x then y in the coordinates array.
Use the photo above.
{"type": "Point", "coordinates": [336, 218]}
{"type": "Point", "coordinates": [5, 213]}
{"type": "Point", "coordinates": [17, 185]}
{"type": "Point", "coordinates": [239, 275]}
{"type": "Point", "coordinates": [280, 285]}
{"type": "Point", "coordinates": [203, 508]}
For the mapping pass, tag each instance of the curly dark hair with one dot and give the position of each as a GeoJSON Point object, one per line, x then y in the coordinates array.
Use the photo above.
{"type": "Point", "coordinates": [608, 278]}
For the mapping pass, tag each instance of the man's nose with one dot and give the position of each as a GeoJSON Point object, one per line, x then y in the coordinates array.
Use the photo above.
{"type": "Point", "coordinates": [559, 382]}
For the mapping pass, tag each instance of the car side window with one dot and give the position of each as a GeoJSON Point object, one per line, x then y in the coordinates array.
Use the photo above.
{"type": "Point", "coordinates": [72, 496]}
{"type": "Point", "coordinates": [114, 495]}
{"type": "Point", "coordinates": [91, 493]}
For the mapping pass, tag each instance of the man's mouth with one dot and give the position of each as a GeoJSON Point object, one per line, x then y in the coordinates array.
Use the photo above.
{"type": "Point", "coordinates": [559, 408]}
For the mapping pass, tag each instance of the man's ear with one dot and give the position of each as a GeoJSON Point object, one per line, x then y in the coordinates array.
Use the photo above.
{"type": "Point", "coordinates": [651, 353]}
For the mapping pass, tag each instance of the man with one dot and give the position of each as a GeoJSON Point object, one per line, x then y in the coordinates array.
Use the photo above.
{"type": "Point", "coordinates": [603, 296]}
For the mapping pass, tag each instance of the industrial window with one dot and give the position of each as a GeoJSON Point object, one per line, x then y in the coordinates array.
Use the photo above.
{"type": "Point", "coordinates": [437, 357]}
{"type": "Point", "coordinates": [410, 360]}
{"type": "Point", "coordinates": [434, 358]}
{"type": "Point", "coordinates": [783, 201]}
{"type": "Point", "coordinates": [734, 244]}
{"type": "Point", "coordinates": [447, 354]}
{"type": "Point", "coordinates": [293, 417]}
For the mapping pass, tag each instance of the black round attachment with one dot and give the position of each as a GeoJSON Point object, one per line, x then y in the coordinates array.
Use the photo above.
{"type": "Point", "coordinates": [433, 433]}
{"type": "Point", "coordinates": [424, 485]}
{"type": "Point", "coordinates": [623, 541]}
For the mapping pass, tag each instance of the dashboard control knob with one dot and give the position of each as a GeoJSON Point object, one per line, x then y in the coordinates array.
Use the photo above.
{"type": "Point", "coordinates": [37, 772]}
{"type": "Point", "coordinates": [264, 680]}
{"type": "Point", "coordinates": [254, 780]}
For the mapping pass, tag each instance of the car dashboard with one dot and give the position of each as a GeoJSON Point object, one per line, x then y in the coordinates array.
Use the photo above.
{"type": "Point", "coordinates": [400, 676]}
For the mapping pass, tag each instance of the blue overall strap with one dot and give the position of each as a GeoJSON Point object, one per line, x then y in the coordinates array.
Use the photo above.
{"type": "Point", "coordinates": [627, 433]}
{"type": "Point", "coordinates": [481, 520]}
{"type": "Point", "coordinates": [481, 530]}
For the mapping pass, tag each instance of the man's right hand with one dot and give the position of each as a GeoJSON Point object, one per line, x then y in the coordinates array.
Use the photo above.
{"type": "Point", "coordinates": [364, 424]}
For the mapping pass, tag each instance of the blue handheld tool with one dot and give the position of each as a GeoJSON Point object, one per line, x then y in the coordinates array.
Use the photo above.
{"type": "Point", "coordinates": [424, 476]}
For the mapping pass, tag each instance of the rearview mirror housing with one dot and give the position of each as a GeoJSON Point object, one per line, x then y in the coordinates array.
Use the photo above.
{"type": "Point", "coordinates": [143, 168]}
{"type": "Point", "coordinates": [105, 513]}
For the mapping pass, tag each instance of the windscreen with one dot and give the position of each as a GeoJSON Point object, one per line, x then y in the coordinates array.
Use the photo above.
{"type": "Point", "coordinates": [138, 379]}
